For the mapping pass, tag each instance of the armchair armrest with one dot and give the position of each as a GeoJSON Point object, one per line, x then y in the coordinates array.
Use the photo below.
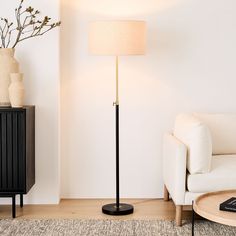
{"type": "Point", "coordinates": [174, 167]}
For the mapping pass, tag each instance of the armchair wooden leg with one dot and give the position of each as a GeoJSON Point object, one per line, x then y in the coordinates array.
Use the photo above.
{"type": "Point", "coordinates": [178, 216]}
{"type": "Point", "coordinates": [166, 194]}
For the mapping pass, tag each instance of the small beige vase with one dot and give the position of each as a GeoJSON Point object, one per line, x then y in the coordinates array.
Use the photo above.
{"type": "Point", "coordinates": [8, 64]}
{"type": "Point", "coordinates": [16, 90]}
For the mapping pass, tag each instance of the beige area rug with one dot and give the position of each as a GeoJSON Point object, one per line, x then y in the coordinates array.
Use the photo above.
{"type": "Point", "coordinates": [110, 228]}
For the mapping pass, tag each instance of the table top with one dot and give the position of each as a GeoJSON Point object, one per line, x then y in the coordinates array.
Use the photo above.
{"type": "Point", "coordinates": [207, 206]}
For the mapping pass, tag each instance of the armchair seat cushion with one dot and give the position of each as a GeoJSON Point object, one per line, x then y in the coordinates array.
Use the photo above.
{"type": "Point", "coordinates": [221, 177]}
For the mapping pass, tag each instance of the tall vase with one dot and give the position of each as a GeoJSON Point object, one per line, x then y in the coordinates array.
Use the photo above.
{"type": "Point", "coordinates": [8, 65]}
{"type": "Point", "coordinates": [16, 90]}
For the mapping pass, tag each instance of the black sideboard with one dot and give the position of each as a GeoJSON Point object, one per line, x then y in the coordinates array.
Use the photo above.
{"type": "Point", "coordinates": [17, 152]}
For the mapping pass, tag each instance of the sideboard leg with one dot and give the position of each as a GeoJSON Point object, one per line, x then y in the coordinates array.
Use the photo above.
{"type": "Point", "coordinates": [21, 200]}
{"type": "Point", "coordinates": [13, 206]}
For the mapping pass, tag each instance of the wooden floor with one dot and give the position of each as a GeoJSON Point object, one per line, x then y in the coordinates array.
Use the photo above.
{"type": "Point", "coordinates": [91, 209]}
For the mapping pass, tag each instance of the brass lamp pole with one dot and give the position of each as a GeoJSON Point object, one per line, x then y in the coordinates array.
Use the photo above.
{"type": "Point", "coordinates": [117, 80]}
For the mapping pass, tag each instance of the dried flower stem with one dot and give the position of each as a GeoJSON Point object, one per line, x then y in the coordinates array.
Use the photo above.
{"type": "Point", "coordinates": [27, 26]}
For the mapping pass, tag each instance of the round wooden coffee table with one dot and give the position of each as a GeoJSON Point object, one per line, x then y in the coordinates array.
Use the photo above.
{"type": "Point", "coordinates": [207, 206]}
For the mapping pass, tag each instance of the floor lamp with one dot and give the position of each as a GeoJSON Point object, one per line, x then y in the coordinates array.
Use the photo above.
{"type": "Point", "coordinates": [117, 38]}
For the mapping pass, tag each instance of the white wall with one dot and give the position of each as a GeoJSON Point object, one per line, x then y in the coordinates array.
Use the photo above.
{"type": "Point", "coordinates": [189, 66]}
{"type": "Point", "coordinates": [39, 61]}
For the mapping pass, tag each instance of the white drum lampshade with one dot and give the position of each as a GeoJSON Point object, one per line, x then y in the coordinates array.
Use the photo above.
{"type": "Point", "coordinates": [117, 38]}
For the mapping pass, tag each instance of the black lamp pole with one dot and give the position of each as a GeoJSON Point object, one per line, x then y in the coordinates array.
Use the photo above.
{"type": "Point", "coordinates": [117, 208]}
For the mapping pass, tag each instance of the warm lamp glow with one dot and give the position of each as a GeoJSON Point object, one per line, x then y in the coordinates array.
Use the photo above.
{"type": "Point", "coordinates": [117, 38]}
{"type": "Point", "coordinates": [122, 8]}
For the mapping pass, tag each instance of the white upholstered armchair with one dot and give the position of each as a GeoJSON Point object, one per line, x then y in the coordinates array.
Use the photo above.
{"type": "Point", "coordinates": [199, 157]}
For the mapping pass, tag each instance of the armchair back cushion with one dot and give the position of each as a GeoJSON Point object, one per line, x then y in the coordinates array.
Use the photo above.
{"type": "Point", "coordinates": [196, 136]}
{"type": "Point", "coordinates": [223, 131]}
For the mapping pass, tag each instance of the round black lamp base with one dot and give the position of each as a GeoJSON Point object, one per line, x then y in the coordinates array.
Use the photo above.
{"type": "Point", "coordinates": [123, 209]}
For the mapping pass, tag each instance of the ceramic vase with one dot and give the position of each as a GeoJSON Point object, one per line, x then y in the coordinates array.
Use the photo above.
{"type": "Point", "coordinates": [8, 65]}
{"type": "Point", "coordinates": [16, 90]}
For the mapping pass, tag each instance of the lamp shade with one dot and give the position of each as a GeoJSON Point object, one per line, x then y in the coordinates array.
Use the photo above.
{"type": "Point", "coordinates": [117, 38]}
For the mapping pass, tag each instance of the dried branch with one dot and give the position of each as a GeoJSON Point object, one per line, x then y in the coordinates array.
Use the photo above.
{"type": "Point", "coordinates": [27, 26]}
